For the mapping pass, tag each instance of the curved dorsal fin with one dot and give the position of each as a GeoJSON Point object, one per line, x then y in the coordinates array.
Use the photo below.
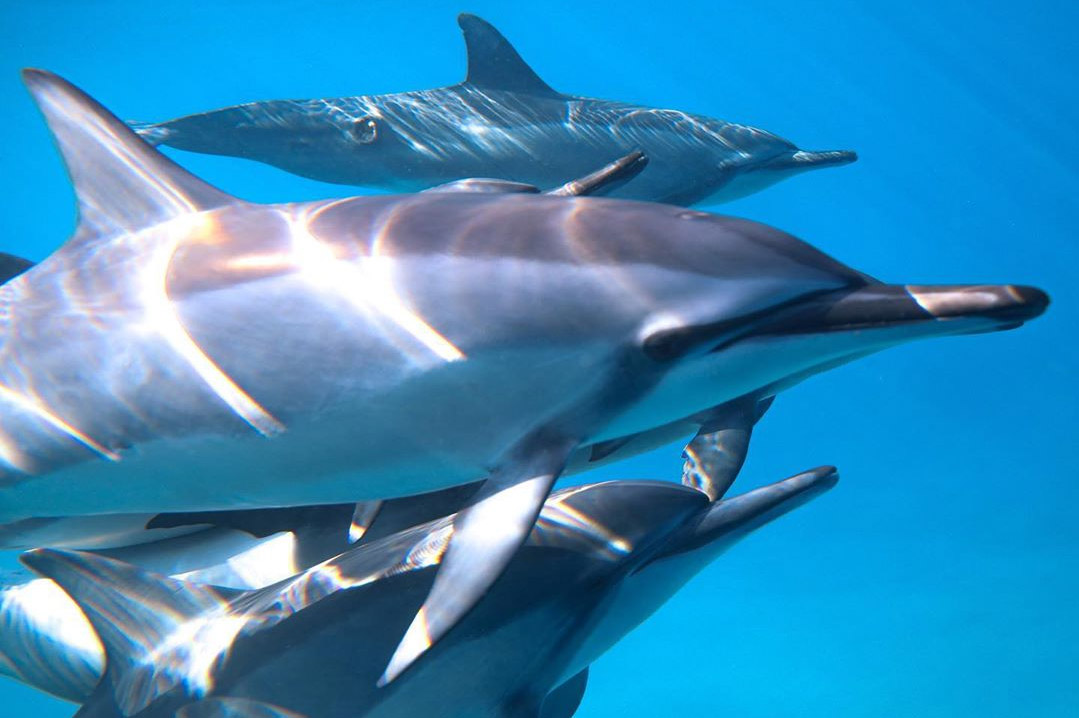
{"type": "Point", "coordinates": [122, 184]}
{"type": "Point", "coordinates": [494, 64]}
{"type": "Point", "coordinates": [140, 618]}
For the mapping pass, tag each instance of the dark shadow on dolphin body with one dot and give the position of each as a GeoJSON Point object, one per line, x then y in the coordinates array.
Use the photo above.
{"type": "Point", "coordinates": [502, 121]}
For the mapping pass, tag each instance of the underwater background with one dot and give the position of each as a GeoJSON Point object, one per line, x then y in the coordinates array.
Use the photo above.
{"type": "Point", "coordinates": [941, 577]}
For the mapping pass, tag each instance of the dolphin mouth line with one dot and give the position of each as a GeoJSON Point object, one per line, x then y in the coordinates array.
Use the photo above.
{"type": "Point", "coordinates": [886, 306]}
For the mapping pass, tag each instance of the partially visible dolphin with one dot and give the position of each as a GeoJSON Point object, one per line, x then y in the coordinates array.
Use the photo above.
{"type": "Point", "coordinates": [46, 641]}
{"type": "Point", "coordinates": [502, 121]}
{"type": "Point", "coordinates": [601, 559]}
{"type": "Point", "coordinates": [219, 355]}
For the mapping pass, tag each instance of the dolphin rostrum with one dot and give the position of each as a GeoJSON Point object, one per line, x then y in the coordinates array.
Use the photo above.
{"type": "Point", "coordinates": [187, 351]}
{"type": "Point", "coordinates": [502, 121]}
{"type": "Point", "coordinates": [600, 560]}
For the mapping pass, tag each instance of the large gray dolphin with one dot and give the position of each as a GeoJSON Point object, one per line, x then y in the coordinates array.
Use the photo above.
{"type": "Point", "coordinates": [188, 351]}
{"type": "Point", "coordinates": [502, 121]}
{"type": "Point", "coordinates": [600, 560]}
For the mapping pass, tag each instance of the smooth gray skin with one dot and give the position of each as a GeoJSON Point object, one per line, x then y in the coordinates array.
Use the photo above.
{"type": "Point", "coordinates": [502, 121]}
{"type": "Point", "coordinates": [221, 355]}
{"type": "Point", "coordinates": [601, 558]}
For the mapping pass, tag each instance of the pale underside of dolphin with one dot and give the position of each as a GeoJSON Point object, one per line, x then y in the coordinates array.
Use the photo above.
{"type": "Point", "coordinates": [600, 560]}
{"type": "Point", "coordinates": [502, 121]}
{"type": "Point", "coordinates": [219, 354]}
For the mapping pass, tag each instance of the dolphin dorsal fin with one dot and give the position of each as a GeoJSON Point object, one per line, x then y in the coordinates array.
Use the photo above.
{"type": "Point", "coordinates": [494, 64]}
{"type": "Point", "coordinates": [121, 183]}
{"type": "Point", "coordinates": [147, 623]}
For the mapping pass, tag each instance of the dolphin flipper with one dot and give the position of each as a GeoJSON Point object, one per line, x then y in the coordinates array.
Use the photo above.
{"type": "Point", "coordinates": [494, 64]}
{"type": "Point", "coordinates": [363, 515]}
{"type": "Point", "coordinates": [234, 708]}
{"type": "Point", "coordinates": [564, 701]}
{"type": "Point", "coordinates": [716, 454]}
{"type": "Point", "coordinates": [606, 178]}
{"type": "Point", "coordinates": [486, 535]}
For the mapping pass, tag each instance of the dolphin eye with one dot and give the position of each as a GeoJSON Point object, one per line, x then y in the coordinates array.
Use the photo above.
{"type": "Point", "coordinates": [667, 345]}
{"type": "Point", "coordinates": [364, 130]}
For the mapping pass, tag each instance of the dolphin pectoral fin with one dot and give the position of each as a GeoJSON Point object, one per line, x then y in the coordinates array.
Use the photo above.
{"type": "Point", "coordinates": [132, 611]}
{"type": "Point", "coordinates": [484, 185]}
{"type": "Point", "coordinates": [12, 266]}
{"type": "Point", "coordinates": [486, 535]}
{"type": "Point", "coordinates": [717, 453]}
{"type": "Point", "coordinates": [363, 515]}
{"type": "Point", "coordinates": [494, 64]}
{"type": "Point", "coordinates": [121, 183]}
{"type": "Point", "coordinates": [605, 179]}
{"type": "Point", "coordinates": [564, 701]}
{"type": "Point", "coordinates": [235, 708]}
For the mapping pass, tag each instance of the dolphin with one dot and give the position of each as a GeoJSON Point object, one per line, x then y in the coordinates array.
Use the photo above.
{"type": "Point", "coordinates": [502, 121]}
{"type": "Point", "coordinates": [600, 560]}
{"type": "Point", "coordinates": [46, 641]}
{"type": "Point", "coordinates": [222, 355]}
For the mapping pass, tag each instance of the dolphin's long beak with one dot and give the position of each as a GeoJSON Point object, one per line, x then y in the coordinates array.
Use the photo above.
{"type": "Point", "coordinates": [804, 160]}
{"type": "Point", "coordinates": [919, 310]}
{"type": "Point", "coordinates": [728, 520]}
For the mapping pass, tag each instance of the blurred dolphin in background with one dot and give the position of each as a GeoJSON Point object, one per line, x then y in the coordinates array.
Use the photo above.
{"type": "Point", "coordinates": [502, 121]}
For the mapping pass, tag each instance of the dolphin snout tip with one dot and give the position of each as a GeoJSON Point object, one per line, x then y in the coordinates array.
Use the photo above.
{"type": "Point", "coordinates": [1002, 302]}
{"type": "Point", "coordinates": [824, 477]}
{"type": "Point", "coordinates": [828, 158]}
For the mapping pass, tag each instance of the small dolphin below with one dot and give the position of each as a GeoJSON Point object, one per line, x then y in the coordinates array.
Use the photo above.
{"type": "Point", "coordinates": [600, 560]}
{"type": "Point", "coordinates": [502, 121]}
{"type": "Point", "coordinates": [46, 641]}
{"type": "Point", "coordinates": [376, 347]}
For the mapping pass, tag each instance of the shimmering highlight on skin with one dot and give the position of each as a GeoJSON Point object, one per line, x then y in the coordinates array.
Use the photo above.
{"type": "Point", "coordinates": [162, 316]}
{"type": "Point", "coordinates": [366, 283]}
{"type": "Point", "coordinates": [10, 452]}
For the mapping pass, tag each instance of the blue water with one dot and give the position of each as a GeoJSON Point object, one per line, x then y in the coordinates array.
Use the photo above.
{"type": "Point", "coordinates": [941, 577]}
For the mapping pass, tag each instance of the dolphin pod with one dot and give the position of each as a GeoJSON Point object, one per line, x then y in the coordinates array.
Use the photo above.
{"type": "Point", "coordinates": [600, 559]}
{"type": "Point", "coordinates": [502, 121]}
{"type": "Point", "coordinates": [46, 641]}
{"type": "Point", "coordinates": [224, 355]}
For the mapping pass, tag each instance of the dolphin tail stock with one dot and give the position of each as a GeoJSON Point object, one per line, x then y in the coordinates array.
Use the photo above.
{"type": "Point", "coordinates": [153, 132]}
{"type": "Point", "coordinates": [132, 611]}
{"type": "Point", "coordinates": [486, 535]}
{"type": "Point", "coordinates": [715, 456]}
{"type": "Point", "coordinates": [121, 183]}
